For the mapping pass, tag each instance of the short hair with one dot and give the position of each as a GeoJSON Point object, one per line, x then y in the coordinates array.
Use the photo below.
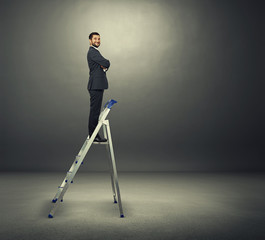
{"type": "Point", "coordinates": [92, 34]}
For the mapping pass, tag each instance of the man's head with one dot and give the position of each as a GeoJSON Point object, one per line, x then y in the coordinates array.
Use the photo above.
{"type": "Point", "coordinates": [94, 39]}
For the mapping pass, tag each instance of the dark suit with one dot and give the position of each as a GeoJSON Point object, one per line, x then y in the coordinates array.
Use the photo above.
{"type": "Point", "coordinates": [96, 85]}
{"type": "Point", "coordinates": [97, 77]}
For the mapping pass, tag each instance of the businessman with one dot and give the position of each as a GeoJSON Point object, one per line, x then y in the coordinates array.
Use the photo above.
{"type": "Point", "coordinates": [97, 83]}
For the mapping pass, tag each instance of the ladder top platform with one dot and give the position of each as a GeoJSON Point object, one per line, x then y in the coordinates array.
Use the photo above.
{"type": "Point", "coordinates": [110, 103]}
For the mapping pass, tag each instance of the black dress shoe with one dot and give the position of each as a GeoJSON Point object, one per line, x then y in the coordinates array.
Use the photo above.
{"type": "Point", "coordinates": [100, 139]}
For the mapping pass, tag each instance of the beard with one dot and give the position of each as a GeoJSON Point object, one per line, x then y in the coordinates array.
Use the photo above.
{"type": "Point", "coordinates": [93, 44]}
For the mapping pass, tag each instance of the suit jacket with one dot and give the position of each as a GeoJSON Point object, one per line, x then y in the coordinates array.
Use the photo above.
{"type": "Point", "coordinates": [97, 77]}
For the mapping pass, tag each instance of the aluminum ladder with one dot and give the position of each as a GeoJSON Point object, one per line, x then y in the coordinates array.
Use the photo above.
{"type": "Point", "coordinates": [58, 198]}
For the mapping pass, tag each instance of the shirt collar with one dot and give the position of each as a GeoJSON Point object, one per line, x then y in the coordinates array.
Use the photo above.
{"type": "Point", "coordinates": [94, 47]}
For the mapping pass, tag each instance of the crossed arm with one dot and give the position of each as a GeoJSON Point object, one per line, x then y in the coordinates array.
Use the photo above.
{"type": "Point", "coordinates": [98, 58]}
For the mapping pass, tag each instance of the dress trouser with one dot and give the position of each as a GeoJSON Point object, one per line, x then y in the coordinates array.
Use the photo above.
{"type": "Point", "coordinates": [96, 97]}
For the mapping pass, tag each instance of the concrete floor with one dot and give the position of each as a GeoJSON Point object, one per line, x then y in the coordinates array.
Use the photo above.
{"type": "Point", "coordinates": [156, 206]}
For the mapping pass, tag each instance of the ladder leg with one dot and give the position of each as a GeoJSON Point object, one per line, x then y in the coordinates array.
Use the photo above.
{"type": "Point", "coordinates": [114, 168]}
{"type": "Point", "coordinates": [110, 165]}
{"type": "Point", "coordinates": [74, 168]}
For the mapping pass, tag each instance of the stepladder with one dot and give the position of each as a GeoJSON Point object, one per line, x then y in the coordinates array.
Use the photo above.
{"type": "Point", "coordinates": [68, 180]}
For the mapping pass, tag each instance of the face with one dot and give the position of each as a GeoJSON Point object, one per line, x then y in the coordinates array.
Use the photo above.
{"type": "Point", "coordinates": [95, 41]}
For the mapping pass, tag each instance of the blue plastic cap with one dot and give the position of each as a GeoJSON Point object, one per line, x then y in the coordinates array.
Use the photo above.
{"type": "Point", "coordinates": [110, 103]}
{"type": "Point", "coordinates": [55, 200]}
{"type": "Point", "coordinates": [122, 216]}
{"type": "Point", "coordinates": [50, 216]}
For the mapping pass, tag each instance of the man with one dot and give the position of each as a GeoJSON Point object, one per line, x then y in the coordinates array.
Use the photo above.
{"type": "Point", "coordinates": [98, 66]}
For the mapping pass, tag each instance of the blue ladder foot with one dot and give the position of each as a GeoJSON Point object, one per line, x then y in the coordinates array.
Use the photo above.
{"type": "Point", "coordinates": [54, 200]}
{"type": "Point", "coordinates": [115, 201]}
{"type": "Point", "coordinates": [50, 216]}
{"type": "Point", "coordinates": [61, 200]}
{"type": "Point", "coordinates": [122, 216]}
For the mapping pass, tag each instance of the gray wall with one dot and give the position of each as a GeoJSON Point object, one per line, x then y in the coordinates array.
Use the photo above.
{"type": "Point", "coordinates": [186, 75]}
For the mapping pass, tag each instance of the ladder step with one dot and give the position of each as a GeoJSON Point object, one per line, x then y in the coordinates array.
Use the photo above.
{"type": "Point", "coordinates": [101, 143]}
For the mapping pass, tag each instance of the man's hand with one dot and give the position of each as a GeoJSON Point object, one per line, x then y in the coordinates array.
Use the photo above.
{"type": "Point", "coordinates": [104, 69]}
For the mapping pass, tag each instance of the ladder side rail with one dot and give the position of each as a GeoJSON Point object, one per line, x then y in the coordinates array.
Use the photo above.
{"type": "Point", "coordinates": [83, 149]}
{"type": "Point", "coordinates": [110, 164]}
{"type": "Point", "coordinates": [114, 168]}
{"type": "Point", "coordinates": [69, 178]}
{"type": "Point", "coordinates": [78, 161]}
